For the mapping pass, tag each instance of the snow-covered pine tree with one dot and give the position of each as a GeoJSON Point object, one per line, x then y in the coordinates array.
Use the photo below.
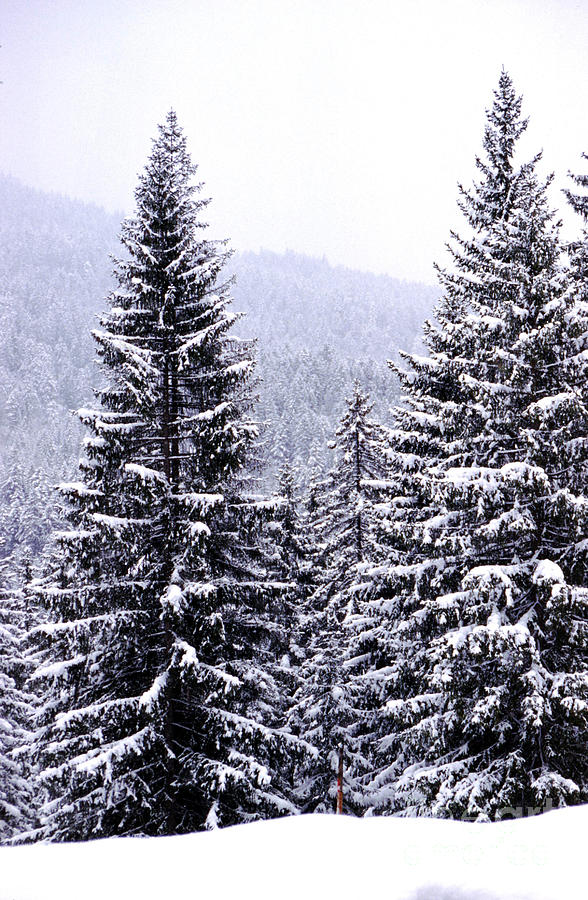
{"type": "Point", "coordinates": [389, 628]}
{"type": "Point", "coordinates": [17, 807]}
{"type": "Point", "coordinates": [287, 530]}
{"type": "Point", "coordinates": [497, 717]}
{"type": "Point", "coordinates": [165, 711]}
{"type": "Point", "coordinates": [345, 518]}
{"type": "Point", "coordinates": [579, 201]}
{"type": "Point", "coordinates": [393, 624]}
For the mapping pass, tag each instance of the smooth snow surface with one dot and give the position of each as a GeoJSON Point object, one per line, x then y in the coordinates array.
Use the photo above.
{"type": "Point", "coordinates": [540, 858]}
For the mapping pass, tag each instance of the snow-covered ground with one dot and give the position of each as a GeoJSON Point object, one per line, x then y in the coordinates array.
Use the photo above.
{"type": "Point", "coordinates": [542, 858]}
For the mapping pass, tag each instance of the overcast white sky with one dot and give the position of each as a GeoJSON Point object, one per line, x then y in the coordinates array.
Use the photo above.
{"type": "Point", "coordinates": [332, 127]}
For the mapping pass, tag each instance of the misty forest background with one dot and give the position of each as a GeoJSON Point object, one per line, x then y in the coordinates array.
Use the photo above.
{"type": "Point", "coordinates": [318, 328]}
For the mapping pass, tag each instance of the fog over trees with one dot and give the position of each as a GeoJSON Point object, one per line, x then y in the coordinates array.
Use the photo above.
{"type": "Point", "coordinates": [317, 328]}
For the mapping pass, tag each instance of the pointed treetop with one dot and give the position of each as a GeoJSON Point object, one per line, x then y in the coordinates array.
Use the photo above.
{"type": "Point", "coordinates": [497, 193]}
{"type": "Point", "coordinates": [170, 130]}
{"type": "Point", "coordinates": [505, 113]}
{"type": "Point", "coordinates": [168, 176]}
{"type": "Point", "coordinates": [503, 129]}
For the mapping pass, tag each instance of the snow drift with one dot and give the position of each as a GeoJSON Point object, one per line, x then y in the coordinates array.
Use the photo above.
{"type": "Point", "coordinates": [540, 858]}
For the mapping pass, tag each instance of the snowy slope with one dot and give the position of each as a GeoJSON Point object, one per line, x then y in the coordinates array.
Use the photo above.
{"type": "Point", "coordinates": [541, 858]}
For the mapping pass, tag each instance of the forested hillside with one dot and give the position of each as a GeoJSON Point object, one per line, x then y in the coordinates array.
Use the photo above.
{"type": "Point", "coordinates": [54, 273]}
{"type": "Point", "coordinates": [305, 303]}
{"type": "Point", "coordinates": [318, 327]}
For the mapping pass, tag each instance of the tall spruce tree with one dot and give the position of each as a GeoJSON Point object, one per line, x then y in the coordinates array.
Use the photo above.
{"type": "Point", "coordinates": [496, 715]}
{"type": "Point", "coordinates": [166, 705]}
{"type": "Point", "coordinates": [345, 519]}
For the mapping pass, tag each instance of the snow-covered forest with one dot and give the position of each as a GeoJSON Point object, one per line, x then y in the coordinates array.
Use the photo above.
{"type": "Point", "coordinates": [280, 556]}
{"type": "Point", "coordinates": [317, 328]}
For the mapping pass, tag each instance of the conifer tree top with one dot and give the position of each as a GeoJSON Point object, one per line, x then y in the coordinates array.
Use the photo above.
{"type": "Point", "coordinates": [493, 198]}
{"type": "Point", "coordinates": [505, 125]}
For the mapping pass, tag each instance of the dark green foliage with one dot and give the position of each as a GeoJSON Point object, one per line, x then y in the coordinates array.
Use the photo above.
{"type": "Point", "coordinates": [166, 705]}
{"type": "Point", "coordinates": [493, 714]}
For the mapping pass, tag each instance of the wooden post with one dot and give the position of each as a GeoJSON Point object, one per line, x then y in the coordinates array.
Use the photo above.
{"type": "Point", "coordinates": [340, 782]}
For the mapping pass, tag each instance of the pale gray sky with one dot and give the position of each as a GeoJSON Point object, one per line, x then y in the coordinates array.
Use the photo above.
{"type": "Point", "coordinates": [335, 127]}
